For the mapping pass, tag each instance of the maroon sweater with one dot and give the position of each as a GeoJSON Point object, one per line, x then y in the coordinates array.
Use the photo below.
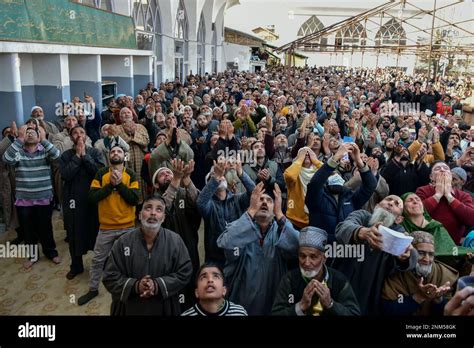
{"type": "Point", "coordinates": [453, 216]}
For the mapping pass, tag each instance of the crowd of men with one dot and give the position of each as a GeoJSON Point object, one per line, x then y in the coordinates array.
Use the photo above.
{"type": "Point", "coordinates": [279, 166]}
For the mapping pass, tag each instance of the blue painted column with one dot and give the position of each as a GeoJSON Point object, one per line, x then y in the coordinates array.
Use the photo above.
{"type": "Point", "coordinates": [51, 75]}
{"type": "Point", "coordinates": [85, 77]}
{"type": "Point", "coordinates": [10, 90]}
{"type": "Point", "coordinates": [119, 69]}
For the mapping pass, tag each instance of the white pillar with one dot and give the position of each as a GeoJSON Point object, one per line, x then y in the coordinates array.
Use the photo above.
{"type": "Point", "coordinates": [51, 76]}
{"type": "Point", "coordinates": [10, 90]}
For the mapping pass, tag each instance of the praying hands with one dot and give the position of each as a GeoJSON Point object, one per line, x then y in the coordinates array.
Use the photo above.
{"type": "Point", "coordinates": [443, 186]}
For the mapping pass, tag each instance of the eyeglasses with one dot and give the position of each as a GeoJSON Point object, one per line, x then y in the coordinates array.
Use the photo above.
{"type": "Point", "coordinates": [423, 253]}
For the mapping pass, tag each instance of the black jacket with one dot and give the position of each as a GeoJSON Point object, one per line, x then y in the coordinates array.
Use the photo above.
{"type": "Point", "coordinates": [345, 301]}
{"type": "Point", "coordinates": [324, 211]}
{"type": "Point", "coordinates": [405, 179]}
{"type": "Point", "coordinates": [428, 101]}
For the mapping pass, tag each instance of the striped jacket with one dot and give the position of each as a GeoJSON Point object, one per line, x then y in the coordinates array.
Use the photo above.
{"type": "Point", "coordinates": [229, 309]}
{"type": "Point", "coordinates": [32, 170]}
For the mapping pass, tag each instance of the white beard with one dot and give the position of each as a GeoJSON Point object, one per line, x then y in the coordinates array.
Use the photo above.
{"type": "Point", "coordinates": [222, 185]}
{"type": "Point", "coordinates": [309, 274]}
{"type": "Point", "coordinates": [381, 215]}
{"type": "Point", "coordinates": [423, 270]}
{"type": "Point", "coordinates": [152, 226]}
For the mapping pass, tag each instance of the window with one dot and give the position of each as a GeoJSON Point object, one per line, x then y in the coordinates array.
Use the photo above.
{"type": "Point", "coordinates": [105, 5]}
{"type": "Point", "coordinates": [352, 36]}
{"type": "Point", "coordinates": [181, 42]}
{"type": "Point", "coordinates": [392, 33]}
{"type": "Point", "coordinates": [214, 50]}
{"type": "Point", "coordinates": [146, 16]}
{"type": "Point", "coordinates": [181, 26]}
{"type": "Point", "coordinates": [201, 47]}
{"type": "Point", "coordinates": [138, 15]}
{"type": "Point", "coordinates": [150, 20]}
{"type": "Point", "coordinates": [313, 25]}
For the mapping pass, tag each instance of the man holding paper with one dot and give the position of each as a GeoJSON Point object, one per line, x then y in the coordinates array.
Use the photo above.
{"type": "Point", "coordinates": [367, 277]}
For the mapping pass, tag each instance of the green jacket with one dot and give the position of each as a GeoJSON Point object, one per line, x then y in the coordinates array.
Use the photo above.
{"type": "Point", "coordinates": [239, 125]}
{"type": "Point", "coordinates": [445, 248]}
{"type": "Point", "coordinates": [163, 154]}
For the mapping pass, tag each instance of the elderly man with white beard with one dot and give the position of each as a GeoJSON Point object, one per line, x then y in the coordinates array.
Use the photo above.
{"type": "Point", "coordinates": [367, 277]}
{"type": "Point", "coordinates": [423, 291]}
{"type": "Point", "coordinates": [316, 288]}
{"type": "Point", "coordinates": [149, 267]}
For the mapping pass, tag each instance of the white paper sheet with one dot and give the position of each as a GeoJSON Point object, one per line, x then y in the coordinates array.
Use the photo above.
{"type": "Point", "coordinates": [394, 242]}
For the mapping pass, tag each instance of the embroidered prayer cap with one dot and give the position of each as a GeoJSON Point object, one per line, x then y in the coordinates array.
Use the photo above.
{"type": "Point", "coordinates": [422, 237]}
{"type": "Point", "coordinates": [313, 237]}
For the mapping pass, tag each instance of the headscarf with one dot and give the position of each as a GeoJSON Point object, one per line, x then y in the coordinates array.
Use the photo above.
{"type": "Point", "coordinates": [444, 244]}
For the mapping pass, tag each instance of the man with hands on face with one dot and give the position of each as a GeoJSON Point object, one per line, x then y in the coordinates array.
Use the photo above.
{"type": "Point", "coordinates": [328, 201]}
{"type": "Point", "coordinates": [226, 143]}
{"type": "Point", "coordinates": [452, 207]}
{"type": "Point", "coordinates": [256, 247]}
{"type": "Point", "coordinates": [297, 178]}
{"type": "Point", "coordinates": [316, 288]}
{"type": "Point", "coordinates": [174, 146]}
{"type": "Point", "coordinates": [148, 267]}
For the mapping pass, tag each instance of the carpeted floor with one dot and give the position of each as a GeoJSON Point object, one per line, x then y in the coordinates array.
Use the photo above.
{"type": "Point", "coordinates": [44, 289]}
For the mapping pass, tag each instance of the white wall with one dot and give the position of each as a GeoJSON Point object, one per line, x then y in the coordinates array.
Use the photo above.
{"type": "Point", "coordinates": [233, 51]}
{"type": "Point", "coordinates": [142, 65]}
{"type": "Point", "coordinates": [26, 70]}
{"type": "Point", "coordinates": [122, 7]}
{"type": "Point", "coordinates": [84, 68]}
{"type": "Point", "coordinates": [117, 66]}
{"type": "Point", "coordinates": [10, 72]}
{"type": "Point", "coordinates": [51, 69]}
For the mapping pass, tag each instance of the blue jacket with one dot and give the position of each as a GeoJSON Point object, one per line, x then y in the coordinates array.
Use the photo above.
{"type": "Point", "coordinates": [218, 214]}
{"type": "Point", "coordinates": [256, 264]}
{"type": "Point", "coordinates": [324, 211]}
